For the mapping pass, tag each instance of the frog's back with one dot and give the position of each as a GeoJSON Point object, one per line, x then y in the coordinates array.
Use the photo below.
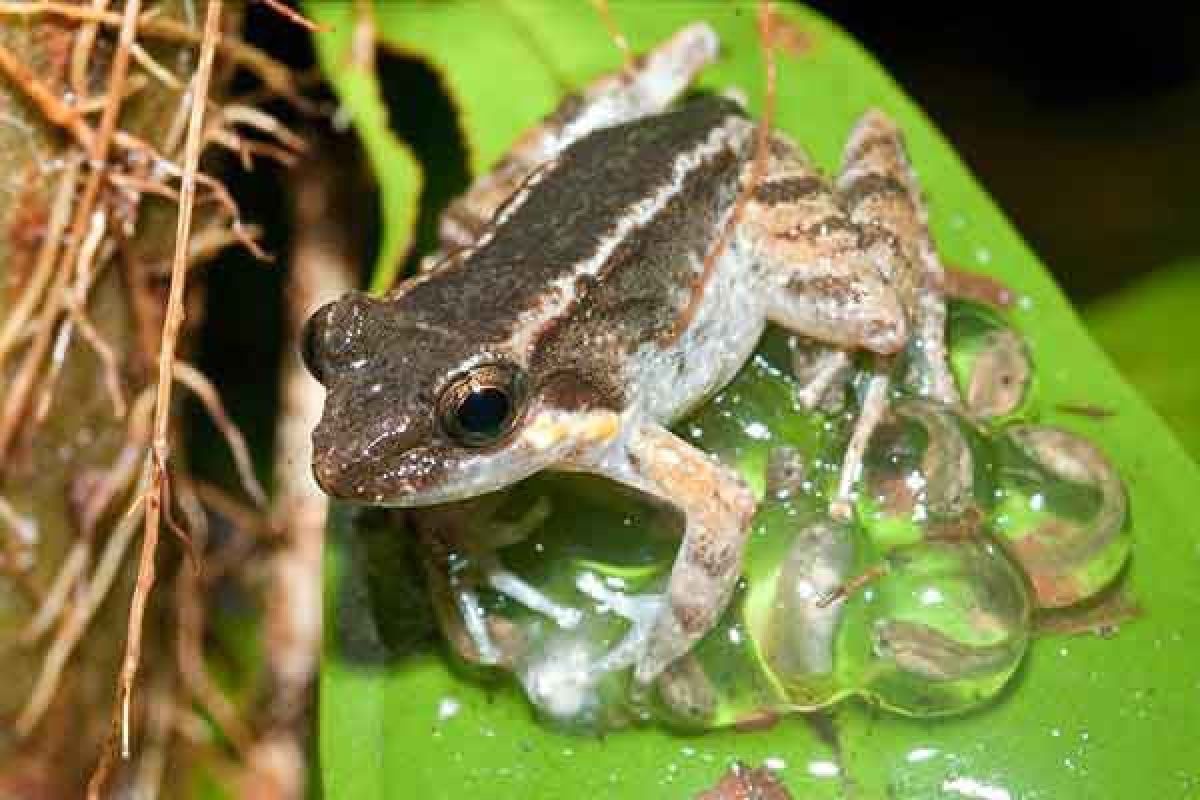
{"type": "Point", "coordinates": [597, 254]}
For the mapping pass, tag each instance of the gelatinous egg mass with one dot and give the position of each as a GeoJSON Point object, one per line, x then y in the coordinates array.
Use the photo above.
{"type": "Point", "coordinates": [966, 520]}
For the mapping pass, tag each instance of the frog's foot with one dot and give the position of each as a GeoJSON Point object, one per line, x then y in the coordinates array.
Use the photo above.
{"type": "Point", "coordinates": [474, 624]}
{"type": "Point", "coordinates": [640, 610]}
{"type": "Point", "coordinates": [821, 371]}
{"type": "Point", "coordinates": [513, 586]}
{"type": "Point", "coordinates": [873, 407]}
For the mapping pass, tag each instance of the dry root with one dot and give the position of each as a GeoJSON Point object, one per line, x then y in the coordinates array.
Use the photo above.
{"type": "Point", "coordinates": [104, 175]}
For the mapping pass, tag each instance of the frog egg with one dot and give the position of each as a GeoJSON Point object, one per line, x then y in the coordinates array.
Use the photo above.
{"type": "Point", "coordinates": [990, 362]}
{"type": "Point", "coordinates": [925, 467]}
{"type": "Point", "coordinates": [559, 671]}
{"type": "Point", "coordinates": [796, 632]}
{"type": "Point", "coordinates": [937, 628]}
{"type": "Point", "coordinates": [1061, 510]}
{"type": "Point", "coordinates": [759, 412]}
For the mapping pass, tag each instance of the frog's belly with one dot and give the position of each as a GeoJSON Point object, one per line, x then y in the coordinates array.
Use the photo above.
{"type": "Point", "coordinates": [673, 380]}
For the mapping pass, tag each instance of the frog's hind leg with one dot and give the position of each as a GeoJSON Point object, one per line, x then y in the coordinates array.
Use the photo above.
{"type": "Point", "coordinates": [816, 278]}
{"type": "Point", "coordinates": [879, 190]}
{"type": "Point", "coordinates": [823, 283]}
{"type": "Point", "coordinates": [648, 86]}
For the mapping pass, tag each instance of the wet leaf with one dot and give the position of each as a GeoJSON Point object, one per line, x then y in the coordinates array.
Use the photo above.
{"type": "Point", "coordinates": [1084, 717]}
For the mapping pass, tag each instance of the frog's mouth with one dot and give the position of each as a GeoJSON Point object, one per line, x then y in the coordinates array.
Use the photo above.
{"type": "Point", "coordinates": [423, 476]}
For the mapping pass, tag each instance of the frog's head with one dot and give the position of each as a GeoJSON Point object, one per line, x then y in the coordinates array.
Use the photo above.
{"type": "Point", "coordinates": [417, 413]}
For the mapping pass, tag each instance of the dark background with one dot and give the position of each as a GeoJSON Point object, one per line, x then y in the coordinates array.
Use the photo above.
{"type": "Point", "coordinates": [1085, 127]}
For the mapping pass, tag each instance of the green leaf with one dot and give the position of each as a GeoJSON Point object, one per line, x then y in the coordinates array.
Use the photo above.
{"type": "Point", "coordinates": [396, 171]}
{"type": "Point", "coordinates": [1086, 716]}
{"type": "Point", "coordinates": [1150, 330]}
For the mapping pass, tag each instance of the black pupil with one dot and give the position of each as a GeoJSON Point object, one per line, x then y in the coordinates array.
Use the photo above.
{"type": "Point", "coordinates": [484, 412]}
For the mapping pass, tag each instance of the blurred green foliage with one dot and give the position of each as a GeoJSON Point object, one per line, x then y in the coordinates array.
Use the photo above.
{"type": "Point", "coordinates": [1152, 331]}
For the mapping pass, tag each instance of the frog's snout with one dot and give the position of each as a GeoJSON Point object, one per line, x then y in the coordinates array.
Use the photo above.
{"type": "Point", "coordinates": [379, 460]}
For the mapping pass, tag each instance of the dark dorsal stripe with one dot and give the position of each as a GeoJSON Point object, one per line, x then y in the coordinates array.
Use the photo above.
{"type": "Point", "coordinates": [568, 217]}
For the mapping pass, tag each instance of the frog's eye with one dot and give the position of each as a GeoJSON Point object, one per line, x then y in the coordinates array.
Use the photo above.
{"type": "Point", "coordinates": [481, 407]}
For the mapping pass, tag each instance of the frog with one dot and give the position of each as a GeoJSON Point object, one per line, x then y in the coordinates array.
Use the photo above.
{"type": "Point", "coordinates": [614, 270]}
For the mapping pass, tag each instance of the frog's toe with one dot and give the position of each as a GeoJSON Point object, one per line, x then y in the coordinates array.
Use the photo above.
{"type": "Point", "coordinates": [513, 586]}
{"type": "Point", "coordinates": [640, 610]}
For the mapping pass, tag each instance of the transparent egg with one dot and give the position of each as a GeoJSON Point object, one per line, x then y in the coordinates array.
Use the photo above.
{"type": "Point", "coordinates": [990, 362]}
{"type": "Point", "coordinates": [925, 470]}
{"type": "Point", "coordinates": [937, 628]}
{"type": "Point", "coordinates": [1061, 510]}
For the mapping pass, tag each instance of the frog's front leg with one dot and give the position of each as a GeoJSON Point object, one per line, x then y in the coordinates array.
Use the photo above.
{"type": "Point", "coordinates": [717, 508]}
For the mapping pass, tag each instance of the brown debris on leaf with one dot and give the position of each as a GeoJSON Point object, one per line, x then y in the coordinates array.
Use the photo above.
{"type": "Point", "coordinates": [744, 783]}
{"type": "Point", "coordinates": [1102, 617]}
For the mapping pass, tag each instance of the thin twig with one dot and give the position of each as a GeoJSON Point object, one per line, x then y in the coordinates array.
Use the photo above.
{"type": "Point", "coordinates": [290, 14]}
{"type": "Point", "coordinates": [96, 103]}
{"type": "Point", "coordinates": [62, 300]}
{"type": "Point", "coordinates": [79, 614]}
{"type": "Point", "coordinates": [262, 121]}
{"type": "Point", "coordinates": [195, 380]}
{"type": "Point", "coordinates": [23, 531]}
{"type": "Point", "coordinates": [51, 106]}
{"type": "Point", "coordinates": [148, 777]}
{"type": "Point", "coordinates": [32, 293]}
{"type": "Point", "coordinates": [614, 32]}
{"type": "Point", "coordinates": [114, 479]}
{"type": "Point", "coordinates": [189, 654]}
{"type": "Point", "coordinates": [273, 73]}
{"type": "Point", "coordinates": [76, 304]}
{"type": "Point", "coordinates": [170, 339]}
{"type": "Point", "coordinates": [757, 170]}
{"type": "Point", "coordinates": [81, 52]}
{"type": "Point", "coordinates": [157, 70]}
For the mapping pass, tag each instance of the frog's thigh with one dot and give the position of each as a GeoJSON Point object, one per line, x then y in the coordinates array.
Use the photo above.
{"type": "Point", "coordinates": [817, 279]}
{"type": "Point", "coordinates": [879, 190]}
{"type": "Point", "coordinates": [718, 508]}
{"type": "Point", "coordinates": [647, 87]}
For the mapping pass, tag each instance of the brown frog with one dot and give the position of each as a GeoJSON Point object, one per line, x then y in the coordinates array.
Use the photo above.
{"type": "Point", "coordinates": [599, 285]}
